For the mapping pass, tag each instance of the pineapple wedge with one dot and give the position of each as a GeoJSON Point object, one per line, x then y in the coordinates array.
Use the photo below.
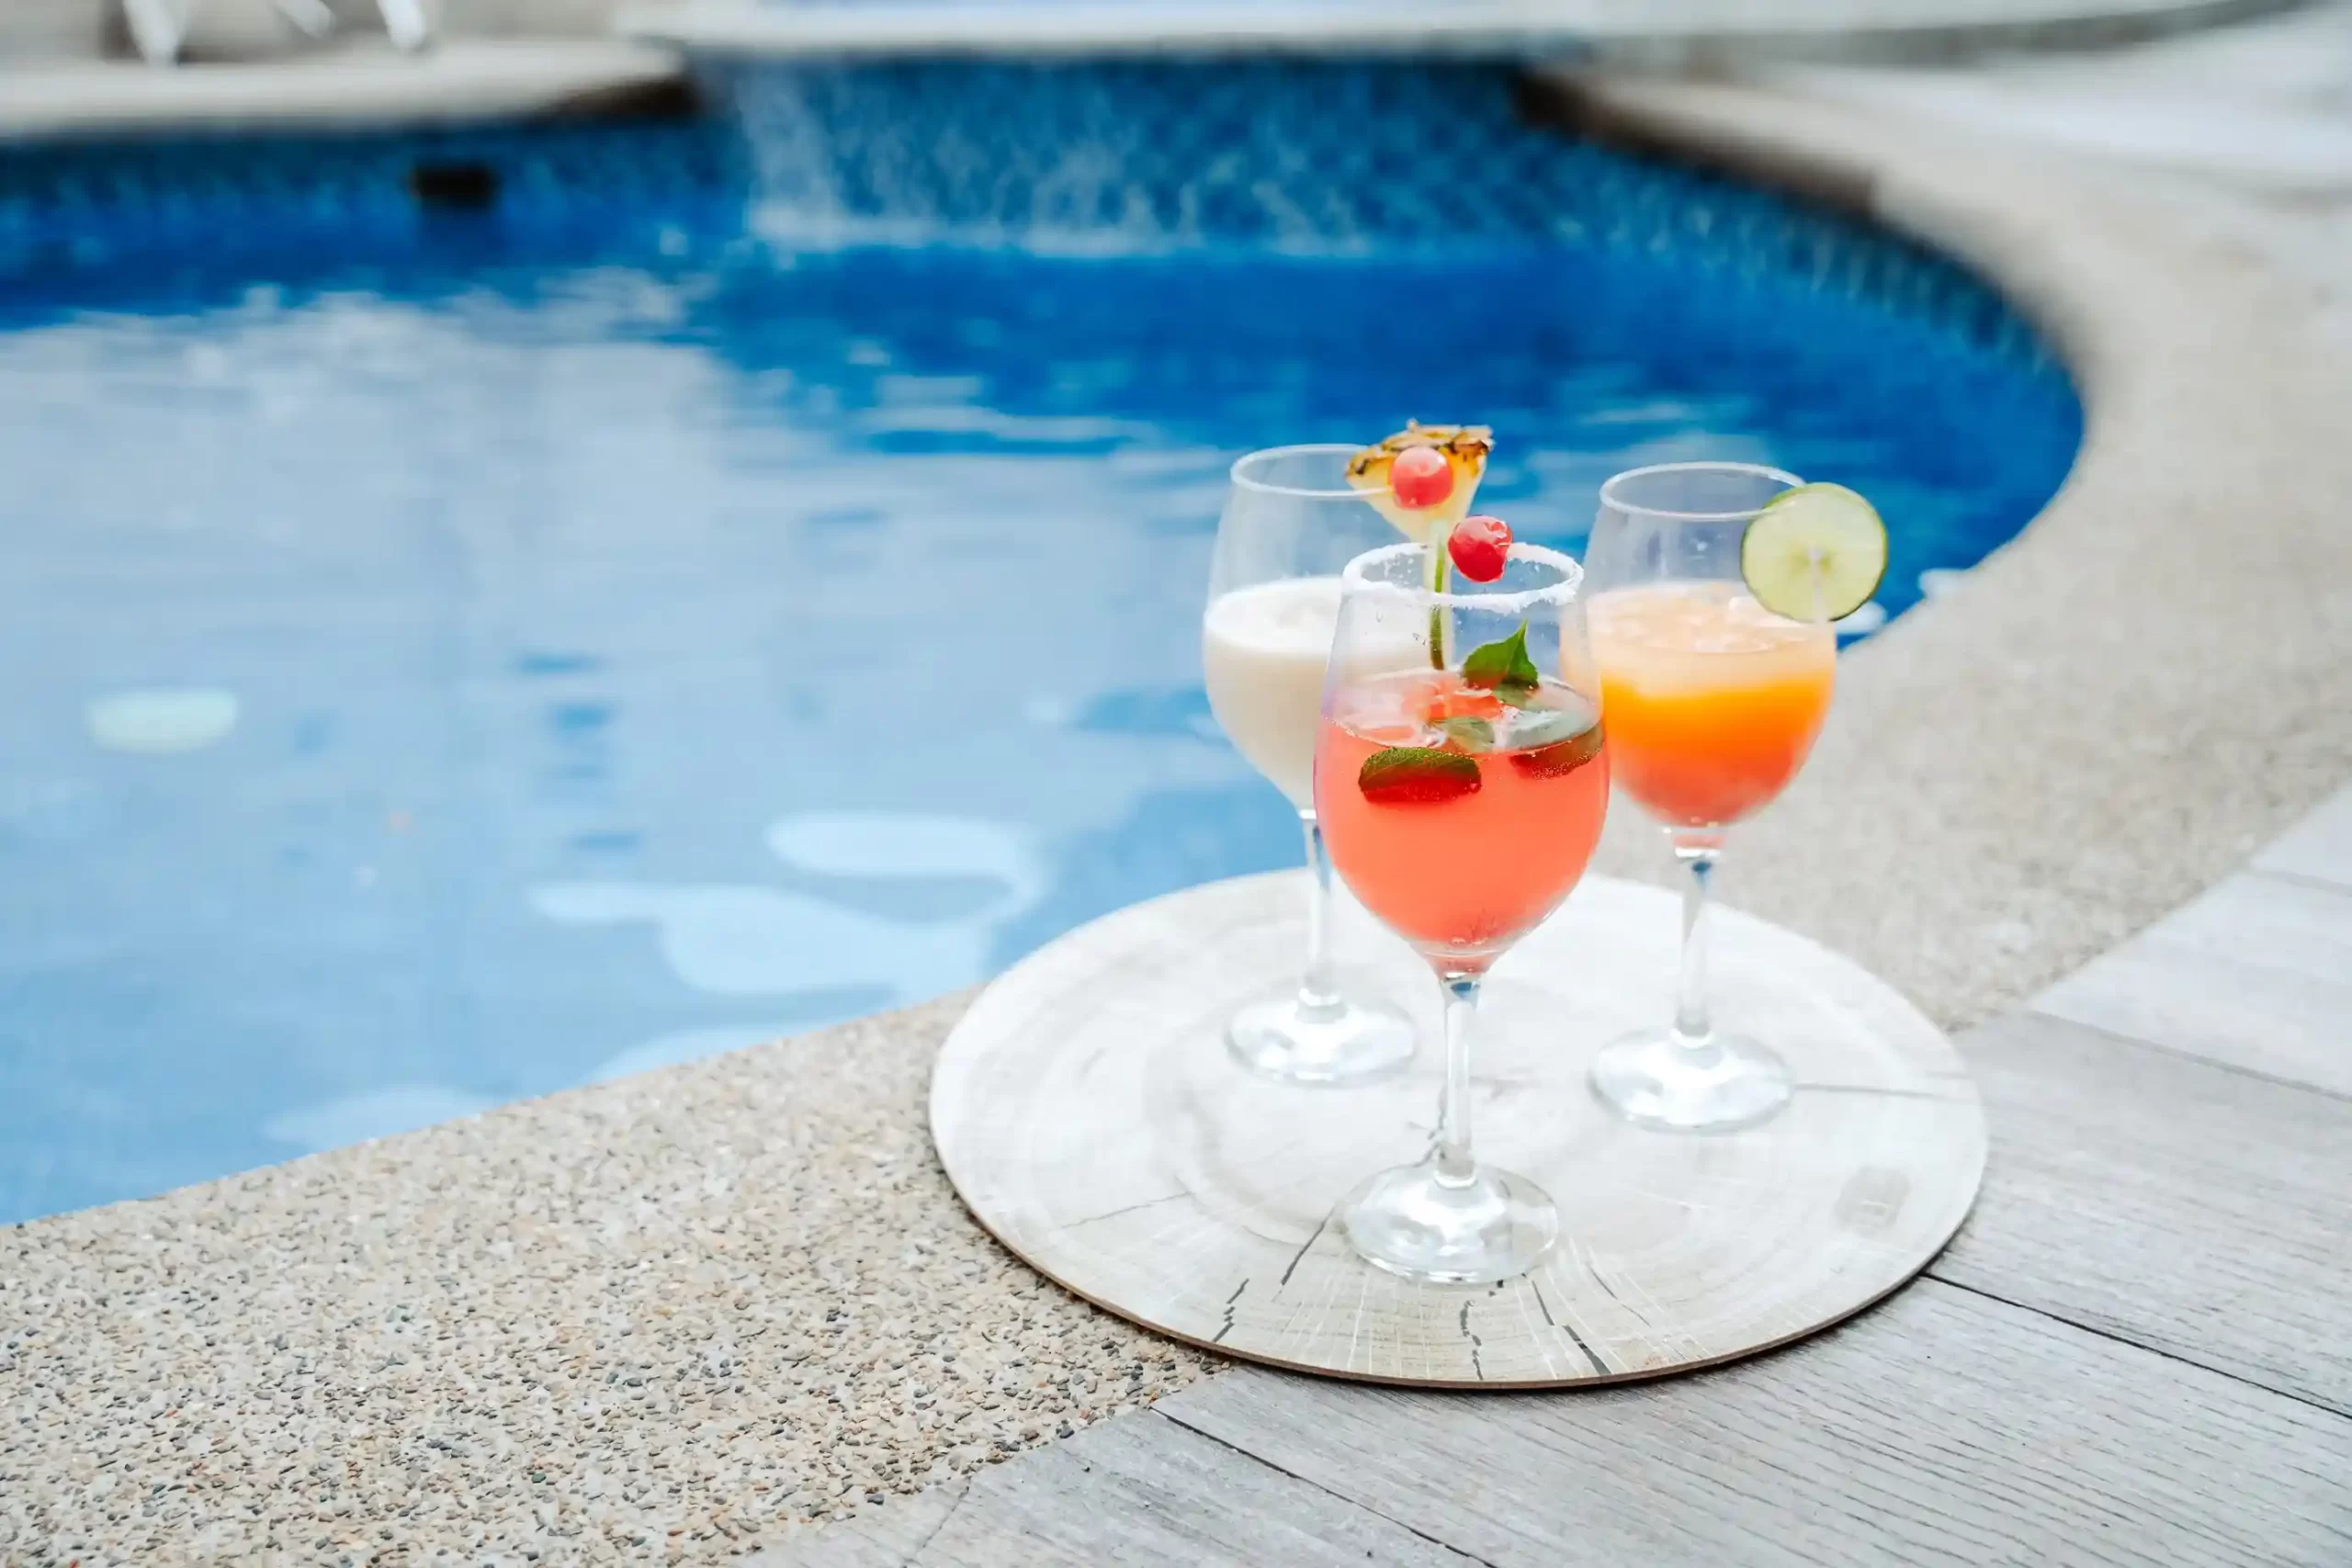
{"type": "Point", "coordinates": [1466, 447]}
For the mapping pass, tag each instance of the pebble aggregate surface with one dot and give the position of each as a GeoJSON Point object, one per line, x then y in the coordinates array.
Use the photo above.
{"type": "Point", "coordinates": [645, 1326]}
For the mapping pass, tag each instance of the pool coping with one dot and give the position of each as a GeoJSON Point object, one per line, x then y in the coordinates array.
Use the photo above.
{"type": "Point", "coordinates": [367, 83]}
{"type": "Point", "coordinates": [2110, 713]}
{"type": "Point", "coordinates": [1696, 34]}
{"type": "Point", "coordinates": [369, 86]}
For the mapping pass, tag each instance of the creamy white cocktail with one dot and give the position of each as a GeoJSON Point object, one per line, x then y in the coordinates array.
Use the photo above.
{"type": "Point", "coordinates": [1295, 515]}
{"type": "Point", "coordinates": [1265, 649]}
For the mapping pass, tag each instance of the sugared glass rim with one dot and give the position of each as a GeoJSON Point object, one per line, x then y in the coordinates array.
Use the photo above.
{"type": "Point", "coordinates": [1299, 492]}
{"type": "Point", "coordinates": [1356, 579]}
{"type": "Point", "coordinates": [1760, 470]}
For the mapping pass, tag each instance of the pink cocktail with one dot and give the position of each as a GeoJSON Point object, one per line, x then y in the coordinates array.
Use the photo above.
{"type": "Point", "coordinates": [1465, 859]}
{"type": "Point", "coordinates": [1460, 781]}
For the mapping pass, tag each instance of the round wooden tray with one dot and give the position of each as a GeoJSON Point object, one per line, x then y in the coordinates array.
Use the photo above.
{"type": "Point", "coordinates": [1088, 1112]}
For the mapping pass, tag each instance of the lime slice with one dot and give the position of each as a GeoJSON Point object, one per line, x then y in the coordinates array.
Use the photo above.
{"type": "Point", "coordinates": [1815, 553]}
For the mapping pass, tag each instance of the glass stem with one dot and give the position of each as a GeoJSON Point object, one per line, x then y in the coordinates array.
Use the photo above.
{"type": "Point", "coordinates": [1317, 994]}
{"type": "Point", "coordinates": [1698, 851]}
{"type": "Point", "coordinates": [1451, 1156]}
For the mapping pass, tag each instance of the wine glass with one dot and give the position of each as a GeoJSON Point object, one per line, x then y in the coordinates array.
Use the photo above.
{"type": "Point", "coordinates": [1461, 779]}
{"type": "Point", "coordinates": [1291, 522]}
{"type": "Point", "coordinates": [1714, 702]}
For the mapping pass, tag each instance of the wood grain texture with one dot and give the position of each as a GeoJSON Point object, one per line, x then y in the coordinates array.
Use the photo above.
{"type": "Point", "coordinates": [1088, 1112]}
{"type": "Point", "coordinates": [1944, 1428]}
{"type": "Point", "coordinates": [1139, 1489]}
{"type": "Point", "coordinates": [2254, 973]}
{"type": "Point", "coordinates": [886, 1536]}
{"type": "Point", "coordinates": [2171, 1203]}
{"type": "Point", "coordinates": [2319, 848]}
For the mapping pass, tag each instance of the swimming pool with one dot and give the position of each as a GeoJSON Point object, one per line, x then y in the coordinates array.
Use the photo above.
{"type": "Point", "coordinates": [493, 609]}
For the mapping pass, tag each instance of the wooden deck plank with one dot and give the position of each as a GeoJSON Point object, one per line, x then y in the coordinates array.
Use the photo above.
{"type": "Point", "coordinates": [1136, 1490]}
{"type": "Point", "coordinates": [1943, 1427]}
{"type": "Point", "coordinates": [2256, 974]}
{"type": "Point", "coordinates": [2174, 1203]}
{"type": "Point", "coordinates": [2318, 849]}
{"type": "Point", "coordinates": [883, 1537]}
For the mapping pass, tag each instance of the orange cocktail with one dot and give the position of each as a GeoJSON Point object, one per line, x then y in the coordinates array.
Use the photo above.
{"type": "Point", "coordinates": [1483, 822]}
{"type": "Point", "coordinates": [1712, 701]}
{"type": "Point", "coordinates": [1716, 649]}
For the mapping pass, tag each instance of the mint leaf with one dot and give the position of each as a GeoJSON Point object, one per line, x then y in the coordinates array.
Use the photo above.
{"type": "Point", "coordinates": [1470, 734]}
{"type": "Point", "coordinates": [1504, 668]}
{"type": "Point", "coordinates": [1416, 775]}
{"type": "Point", "coordinates": [1562, 757]}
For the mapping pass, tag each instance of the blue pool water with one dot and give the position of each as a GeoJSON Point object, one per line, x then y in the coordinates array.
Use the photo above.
{"type": "Point", "coordinates": [694, 581]}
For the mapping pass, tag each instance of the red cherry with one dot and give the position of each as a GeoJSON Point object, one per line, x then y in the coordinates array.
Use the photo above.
{"type": "Point", "coordinates": [1480, 546]}
{"type": "Point", "coordinates": [1419, 477]}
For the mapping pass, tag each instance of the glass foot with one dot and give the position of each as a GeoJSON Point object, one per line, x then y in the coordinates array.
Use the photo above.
{"type": "Point", "coordinates": [1495, 1226]}
{"type": "Point", "coordinates": [1653, 1079]}
{"type": "Point", "coordinates": [1342, 1042]}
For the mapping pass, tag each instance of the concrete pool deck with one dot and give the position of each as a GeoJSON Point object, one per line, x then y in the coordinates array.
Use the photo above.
{"type": "Point", "coordinates": [367, 83]}
{"type": "Point", "coordinates": [1706, 34]}
{"type": "Point", "coordinates": [668, 1318]}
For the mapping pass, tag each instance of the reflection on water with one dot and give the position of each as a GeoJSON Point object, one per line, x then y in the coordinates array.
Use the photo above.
{"type": "Point", "coordinates": [170, 718]}
{"type": "Point", "coordinates": [758, 941]}
{"type": "Point", "coordinates": [493, 656]}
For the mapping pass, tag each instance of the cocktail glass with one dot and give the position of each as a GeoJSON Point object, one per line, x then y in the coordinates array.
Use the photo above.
{"type": "Point", "coordinates": [1713, 703]}
{"type": "Point", "coordinates": [1461, 791]}
{"type": "Point", "coordinates": [1291, 522]}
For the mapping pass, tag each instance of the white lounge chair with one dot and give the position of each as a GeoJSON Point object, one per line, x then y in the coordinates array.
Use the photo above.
{"type": "Point", "coordinates": [159, 26]}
